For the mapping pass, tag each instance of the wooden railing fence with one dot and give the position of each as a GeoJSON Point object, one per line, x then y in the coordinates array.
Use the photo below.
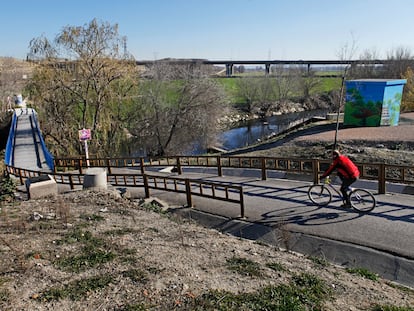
{"type": "Point", "coordinates": [211, 190]}
{"type": "Point", "coordinates": [136, 172]}
{"type": "Point", "coordinates": [380, 172]}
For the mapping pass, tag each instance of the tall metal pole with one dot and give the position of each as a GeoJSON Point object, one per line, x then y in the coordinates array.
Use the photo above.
{"type": "Point", "coordinates": [341, 97]}
{"type": "Point", "coordinates": [338, 114]}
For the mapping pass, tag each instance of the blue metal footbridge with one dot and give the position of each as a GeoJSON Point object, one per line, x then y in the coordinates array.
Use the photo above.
{"type": "Point", "coordinates": [25, 144]}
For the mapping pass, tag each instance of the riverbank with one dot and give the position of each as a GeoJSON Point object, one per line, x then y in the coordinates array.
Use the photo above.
{"type": "Point", "coordinates": [386, 144]}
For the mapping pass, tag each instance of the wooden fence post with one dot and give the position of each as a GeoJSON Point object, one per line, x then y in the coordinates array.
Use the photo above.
{"type": "Point", "coordinates": [146, 187]}
{"type": "Point", "coordinates": [72, 186]}
{"type": "Point", "coordinates": [108, 165]}
{"type": "Point", "coordinates": [264, 175]}
{"type": "Point", "coordinates": [219, 168]}
{"type": "Point", "coordinates": [188, 193]}
{"type": "Point", "coordinates": [141, 163]}
{"type": "Point", "coordinates": [241, 203]}
{"type": "Point", "coordinates": [381, 179]}
{"type": "Point", "coordinates": [315, 169]}
{"type": "Point", "coordinates": [80, 166]}
{"type": "Point", "coordinates": [21, 177]}
{"type": "Point", "coordinates": [178, 163]}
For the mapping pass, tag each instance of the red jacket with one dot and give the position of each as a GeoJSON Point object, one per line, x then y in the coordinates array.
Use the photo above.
{"type": "Point", "coordinates": [346, 168]}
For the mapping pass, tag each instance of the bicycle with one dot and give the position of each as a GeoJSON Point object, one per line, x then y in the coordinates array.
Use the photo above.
{"type": "Point", "coordinates": [361, 200]}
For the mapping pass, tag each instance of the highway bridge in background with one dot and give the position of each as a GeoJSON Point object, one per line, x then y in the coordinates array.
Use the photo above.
{"type": "Point", "coordinates": [229, 64]}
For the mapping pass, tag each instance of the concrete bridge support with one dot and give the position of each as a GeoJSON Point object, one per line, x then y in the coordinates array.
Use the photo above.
{"type": "Point", "coordinates": [229, 70]}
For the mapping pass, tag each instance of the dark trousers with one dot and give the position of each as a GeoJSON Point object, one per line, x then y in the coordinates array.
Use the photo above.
{"type": "Point", "coordinates": [346, 182]}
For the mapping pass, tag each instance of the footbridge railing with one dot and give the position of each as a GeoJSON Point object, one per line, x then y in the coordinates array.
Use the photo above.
{"type": "Point", "coordinates": [8, 156]}
{"type": "Point", "coordinates": [46, 153]}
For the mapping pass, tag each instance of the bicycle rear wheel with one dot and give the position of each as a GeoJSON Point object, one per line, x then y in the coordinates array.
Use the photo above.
{"type": "Point", "coordinates": [362, 200]}
{"type": "Point", "coordinates": [319, 194]}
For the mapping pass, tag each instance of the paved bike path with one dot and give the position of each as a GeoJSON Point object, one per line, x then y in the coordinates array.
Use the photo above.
{"type": "Point", "coordinates": [275, 202]}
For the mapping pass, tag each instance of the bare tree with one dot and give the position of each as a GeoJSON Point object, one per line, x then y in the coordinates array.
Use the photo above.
{"type": "Point", "coordinates": [399, 59]}
{"type": "Point", "coordinates": [177, 110]}
{"type": "Point", "coordinates": [366, 67]}
{"type": "Point", "coordinates": [83, 77]}
{"type": "Point", "coordinates": [285, 82]}
{"type": "Point", "coordinates": [263, 94]}
{"type": "Point", "coordinates": [306, 81]}
{"type": "Point", "coordinates": [266, 95]}
{"type": "Point", "coordinates": [248, 91]}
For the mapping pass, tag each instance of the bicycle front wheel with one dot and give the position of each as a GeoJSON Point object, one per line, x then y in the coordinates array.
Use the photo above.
{"type": "Point", "coordinates": [319, 194]}
{"type": "Point", "coordinates": [362, 200]}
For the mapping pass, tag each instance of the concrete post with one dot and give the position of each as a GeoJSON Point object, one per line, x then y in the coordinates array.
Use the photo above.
{"type": "Point", "coordinates": [95, 178]}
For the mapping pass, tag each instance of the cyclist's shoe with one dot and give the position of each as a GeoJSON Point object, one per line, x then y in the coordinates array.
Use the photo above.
{"type": "Point", "coordinates": [346, 205]}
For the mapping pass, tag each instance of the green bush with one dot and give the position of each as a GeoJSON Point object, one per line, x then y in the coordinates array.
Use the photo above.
{"type": "Point", "coordinates": [7, 188]}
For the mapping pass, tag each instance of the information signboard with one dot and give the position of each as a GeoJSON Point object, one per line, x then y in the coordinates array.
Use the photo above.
{"type": "Point", "coordinates": [84, 134]}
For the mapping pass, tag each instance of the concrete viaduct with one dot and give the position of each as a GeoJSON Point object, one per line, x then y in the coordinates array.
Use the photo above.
{"type": "Point", "coordinates": [229, 64]}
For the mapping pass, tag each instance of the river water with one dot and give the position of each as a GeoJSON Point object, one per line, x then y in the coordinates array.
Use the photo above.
{"type": "Point", "coordinates": [250, 132]}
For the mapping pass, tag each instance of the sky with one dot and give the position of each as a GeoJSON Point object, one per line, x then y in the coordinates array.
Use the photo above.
{"type": "Point", "coordinates": [222, 29]}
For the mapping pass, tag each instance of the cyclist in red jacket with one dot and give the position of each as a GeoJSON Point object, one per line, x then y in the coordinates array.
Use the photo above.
{"type": "Point", "coordinates": [347, 171]}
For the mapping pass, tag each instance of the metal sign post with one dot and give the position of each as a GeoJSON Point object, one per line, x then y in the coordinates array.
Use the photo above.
{"type": "Point", "coordinates": [86, 152]}
{"type": "Point", "coordinates": [85, 135]}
